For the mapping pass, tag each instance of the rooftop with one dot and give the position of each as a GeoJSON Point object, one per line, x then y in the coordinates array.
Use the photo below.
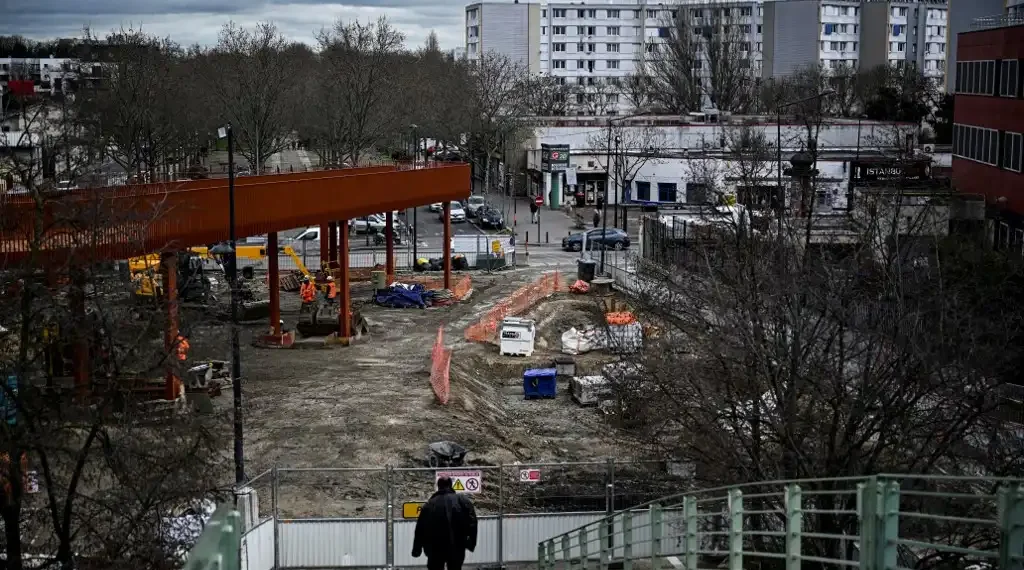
{"type": "Point", "coordinates": [996, 21]}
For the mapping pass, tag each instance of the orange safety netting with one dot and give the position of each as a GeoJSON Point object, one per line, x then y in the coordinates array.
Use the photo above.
{"type": "Point", "coordinates": [486, 329]}
{"type": "Point", "coordinates": [460, 287]}
{"type": "Point", "coordinates": [441, 359]}
{"type": "Point", "coordinates": [622, 318]}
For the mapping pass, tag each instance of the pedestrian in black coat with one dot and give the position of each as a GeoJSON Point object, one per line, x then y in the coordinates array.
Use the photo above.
{"type": "Point", "coordinates": [445, 529]}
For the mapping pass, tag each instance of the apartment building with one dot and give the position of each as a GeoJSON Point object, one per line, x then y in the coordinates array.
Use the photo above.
{"type": "Point", "coordinates": [855, 34]}
{"type": "Point", "coordinates": [509, 29]}
{"type": "Point", "coordinates": [50, 75]}
{"type": "Point", "coordinates": [601, 42]}
{"type": "Point", "coordinates": [988, 129]}
{"type": "Point", "coordinates": [962, 14]}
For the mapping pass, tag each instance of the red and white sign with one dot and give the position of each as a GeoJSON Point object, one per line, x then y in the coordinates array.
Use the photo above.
{"type": "Point", "coordinates": [555, 155]}
{"type": "Point", "coordinates": [463, 481]}
{"type": "Point", "coordinates": [539, 200]}
{"type": "Point", "coordinates": [529, 475]}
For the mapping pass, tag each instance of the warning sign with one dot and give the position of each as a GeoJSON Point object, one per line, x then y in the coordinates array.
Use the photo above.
{"type": "Point", "coordinates": [529, 475]}
{"type": "Point", "coordinates": [463, 481]}
{"type": "Point", "coordinates": [411, 510]}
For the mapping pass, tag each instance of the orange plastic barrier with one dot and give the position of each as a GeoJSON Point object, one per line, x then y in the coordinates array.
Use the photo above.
{"type": "Point", "coordinates": [441, 359]}
{"type": "Point", "coordinates": [486, 329]}
{"type": "Point", "coordinates": [460, 288]}
{"type": "Point", "coordinates": [624, 318]}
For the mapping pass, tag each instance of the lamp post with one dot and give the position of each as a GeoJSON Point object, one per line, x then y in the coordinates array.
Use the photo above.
{"type": "Point", "coordinates": [228, 253]}
{"type": "Point", "coordinates": [604, 206]}
{"type": "Point", "coordinates": [618, 181]}
{"type": "Point", "coordinates": [778, 130]}
{"type": "Point", "coordinates": [415, 225]}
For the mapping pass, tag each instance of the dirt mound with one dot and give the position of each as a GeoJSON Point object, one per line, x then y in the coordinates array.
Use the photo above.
{"type": "Point", "coordinates": [561, 313]}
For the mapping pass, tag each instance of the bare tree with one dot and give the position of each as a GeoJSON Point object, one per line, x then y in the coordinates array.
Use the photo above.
{"type": "Point", "coordinates": [111, 471]}
{"type": "Point", "coordinates": [253, 87]}
{"type": "Point", "coordinates": [495, 101]}
{"type": "Point", "coordinates": [549, 96]}
{"type": "Point", "coordinates": [627, 150]}
{"type": "Point", "coordinates": [675, 78]}
{"type": "Point", "coordinates": [638, 89]}
{"type": "Point", "coordinates": [355, 87]}
{"type": "Point", "coordinates": [725, 40]}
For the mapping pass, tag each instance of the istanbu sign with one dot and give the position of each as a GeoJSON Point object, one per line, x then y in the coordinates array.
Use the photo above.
{"type": "Point", "coordinates": [890, 171]}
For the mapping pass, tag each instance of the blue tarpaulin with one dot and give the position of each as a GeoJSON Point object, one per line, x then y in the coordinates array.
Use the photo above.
{"type": "Point", "coordinates": [402, 297]}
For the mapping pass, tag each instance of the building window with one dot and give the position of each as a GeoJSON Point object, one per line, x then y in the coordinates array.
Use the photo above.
{"type": "Point", "coordinates": [558, 47]}
{"type": "Point", "coordinates": [612, 13]}
{"type": "Point", "coordinates": [558, 30]}
{"type": "Point", "coordinates": [651, 48]}
{"type": "Point", "coordinates": [591, 30]}
{"type": "Point", "coordinates": [558, 12]}
{"type": "Point", "coordinates": [666, 191]}
{"type": "Point", "coordinates": [982, 145]}
{"type": "Point", "coordinates": [612, 48]}
{"type": "Point", "coordinates": [697, 13]}
{"type": "Point", "coordinates": [664, 33]}
{"type": "Point", "coordinates": [543, 13]}
{"type": "Point", "coordinates": [1012, 151]}
{"type": "Point", "coordinates": [746, 11]}
{"type": "Point", "coordinates": [558, 63]}
{"type": "Point", "coordinates": [643, 191]}
{"type": "Point", "coordinates": [759, 28]}
{"type": "Point", "coordinates": [612, 30]}
{"type": "Point", "coordinates": [612, 64]}
{"type": "Point", "coordinates": [745, 28]}
{"type": "Point", "coordinates": [1009, 86]}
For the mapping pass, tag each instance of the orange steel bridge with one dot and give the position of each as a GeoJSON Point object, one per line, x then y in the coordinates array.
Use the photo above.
{"type": "Point", "coordinates": [122, 222]}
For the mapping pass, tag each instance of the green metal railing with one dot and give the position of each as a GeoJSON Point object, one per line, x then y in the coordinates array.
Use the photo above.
{"type": "Point", "coordinates": [218, 545]}
{"type": "Point", "coordinates": [883, 522]}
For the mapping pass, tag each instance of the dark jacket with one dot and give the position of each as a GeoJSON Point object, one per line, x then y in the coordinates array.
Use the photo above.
{"type": "Point", "coordinates": [447, 523]}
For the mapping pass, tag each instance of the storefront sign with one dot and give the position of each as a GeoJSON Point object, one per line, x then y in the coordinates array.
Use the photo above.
{"type": "Point", "coordinates": [554, 157]}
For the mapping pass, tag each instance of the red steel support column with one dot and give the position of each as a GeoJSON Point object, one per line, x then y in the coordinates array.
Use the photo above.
{"type": "Point", "coordinates": [344, 290]}
{"type": "Point", "coordinates": [332, 248]}
{"type": "Point", "coordinates": [80, 364]}
{"type": "Point", "coordinates": [447, 248]}
{"type": "Point", "coordinates": [325, 244]}
{"type": "Point", "coordinates": [389, 239]}
{"type": "Point", "coordinates": [274, 284]}
{"type": "Point", "coordinates": [169, 269]}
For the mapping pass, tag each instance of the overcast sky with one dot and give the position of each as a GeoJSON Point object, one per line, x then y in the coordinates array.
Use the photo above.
{"type": "Point", "coordinates": [197, 21]}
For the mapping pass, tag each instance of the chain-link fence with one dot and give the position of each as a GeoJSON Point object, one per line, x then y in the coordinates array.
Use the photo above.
{"type": "Point", "coordinates": [342, 517]}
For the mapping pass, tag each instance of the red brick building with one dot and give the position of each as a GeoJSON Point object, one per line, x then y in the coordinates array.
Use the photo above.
{"type": "Point", "coordinates": [988, 131]}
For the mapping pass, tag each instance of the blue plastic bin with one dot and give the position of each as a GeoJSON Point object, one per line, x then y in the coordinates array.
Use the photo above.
{"type": "Point", "coordinates": [539, 383]}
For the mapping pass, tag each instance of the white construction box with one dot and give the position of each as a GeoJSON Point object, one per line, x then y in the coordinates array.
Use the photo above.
{"type": "Point", "coordinates": [517, 336]}
{"type": "Point", "coordinates": [590, 390]}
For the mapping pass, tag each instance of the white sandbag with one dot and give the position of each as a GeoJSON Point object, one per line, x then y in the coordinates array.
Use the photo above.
{"type": "Point", "coordinates": [579, 342]}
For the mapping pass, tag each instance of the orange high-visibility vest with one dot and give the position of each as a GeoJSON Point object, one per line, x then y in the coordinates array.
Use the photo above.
{"type": "Point", "coordinates": [332, 290]}
{"type": "Point", "coordinates": [307, 292]}
{"type": "Point", "coordinates": [182, 348]}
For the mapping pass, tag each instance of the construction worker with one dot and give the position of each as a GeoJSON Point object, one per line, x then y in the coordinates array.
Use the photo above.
{"type": "Point", "coordinates": [332, 290]}
{"type": "Point", "coordinates": [181, 347]}
{"type": "Point", "coordinates": [307, 292]}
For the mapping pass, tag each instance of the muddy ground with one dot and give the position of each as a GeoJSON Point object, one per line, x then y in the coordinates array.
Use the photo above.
{"type": "Point", "coordinates": [371, 404]}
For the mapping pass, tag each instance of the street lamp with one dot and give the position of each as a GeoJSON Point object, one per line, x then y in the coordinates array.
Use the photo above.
{"type": "Point", "coordinates": [778, 130]}
{"type": "Point", "coordinates": [229, 254]}
{"type": "Point", "coordinates": [415, 149]}
{"type": "Point", "coordinates": [618, 140]}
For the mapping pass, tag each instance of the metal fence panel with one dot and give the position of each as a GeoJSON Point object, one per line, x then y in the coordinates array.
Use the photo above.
{"type": "Point", "coordinates": [486, 546]}
{"type": "Point", "coordinates": [333, 543]}
{"type": "Point", "coordinates": [258, 547]}
{"type": "Point", "coordinates": [523, 532]}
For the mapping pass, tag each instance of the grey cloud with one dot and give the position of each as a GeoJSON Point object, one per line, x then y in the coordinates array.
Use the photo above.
{"type": "Point", "coordinates": [197, 21]}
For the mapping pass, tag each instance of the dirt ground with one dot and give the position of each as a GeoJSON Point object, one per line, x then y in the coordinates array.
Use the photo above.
{"type": "Point", "coordinates": [371, 404]}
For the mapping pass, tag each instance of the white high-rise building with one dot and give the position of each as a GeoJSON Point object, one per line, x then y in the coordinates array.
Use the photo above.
{"type": "Point", "coordinates": [602, 42]}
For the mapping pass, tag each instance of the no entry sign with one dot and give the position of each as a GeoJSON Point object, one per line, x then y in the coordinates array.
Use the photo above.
{"type": "Point", "coordinates": [529, 475]}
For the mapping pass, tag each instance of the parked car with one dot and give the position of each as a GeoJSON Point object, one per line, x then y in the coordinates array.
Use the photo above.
{"type": "Point", "coordinates": [474, 204]}
{"type": "Point", "coordinates": [458, 214]}
{"type": "Point", "coordinates": [611, 238]}
{"type": "Point", "coordinates": [490, 218]}
{"type": "Point", "coordinates": [436, 206]}
{"type": "Point", "coordinates": [374, 223]}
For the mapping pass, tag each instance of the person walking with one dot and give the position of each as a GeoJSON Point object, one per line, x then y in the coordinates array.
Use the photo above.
{"type": "Point", "coordinates": [445, 529]}
{"type": "Point", "coordinates": [534, 212]}
{"type": "Point", "coordinates": [597, 218]}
